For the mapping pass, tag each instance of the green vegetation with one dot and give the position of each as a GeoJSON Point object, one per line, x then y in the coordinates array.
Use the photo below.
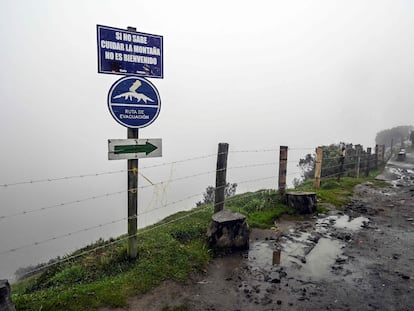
{"type": "Point", "coordinates": [102, 275]}
{"type": "Point", "coordinates": [261, 208]}
{"type": "Point", "coordinates": [168, 250]}
{"type": "Point", "coordinates": [338, 192]}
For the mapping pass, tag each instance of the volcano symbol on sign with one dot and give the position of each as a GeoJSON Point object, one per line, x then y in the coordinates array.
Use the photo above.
{"type": "Point", "coordinates": [134, 102]}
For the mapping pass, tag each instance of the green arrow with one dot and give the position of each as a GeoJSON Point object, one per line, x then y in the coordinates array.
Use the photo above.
{"type": "Point", "coordinates": [147, 148]}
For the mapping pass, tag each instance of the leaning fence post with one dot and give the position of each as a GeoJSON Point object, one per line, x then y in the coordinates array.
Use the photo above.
{"type": "Point", "coordinates": [376, 157]}
{"type": "Point", "coordinates": [223, 149]}
{"type": "Point", "coordinates": [368, 162]}
{"type": "Point", "coordinates": [318, 167]}
{"type": "Point", "coordinates": [283, 154]}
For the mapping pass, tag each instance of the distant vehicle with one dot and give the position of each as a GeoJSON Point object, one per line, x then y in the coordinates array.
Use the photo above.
{"type": "Point", "coordinates": [401, 155]}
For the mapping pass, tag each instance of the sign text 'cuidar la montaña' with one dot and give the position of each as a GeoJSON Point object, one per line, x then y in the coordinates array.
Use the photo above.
{"type": "Point", "coordinates": [126, 52]}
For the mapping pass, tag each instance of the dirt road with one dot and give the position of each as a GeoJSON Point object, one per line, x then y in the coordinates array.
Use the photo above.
{"type": "Point", "coordinates": [358, 259]}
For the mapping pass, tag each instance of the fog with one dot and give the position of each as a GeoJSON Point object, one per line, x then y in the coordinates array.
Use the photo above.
{"type": "Point", "coordinates": [256, 75]}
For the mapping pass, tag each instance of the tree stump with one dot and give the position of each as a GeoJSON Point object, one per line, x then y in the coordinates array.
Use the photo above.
{"type": "Point", "coordinates": [228, 231]}
{"type": "Point", "coordinates": [6, 303]}
{"type": "Point", "coordinates": [303, 202]}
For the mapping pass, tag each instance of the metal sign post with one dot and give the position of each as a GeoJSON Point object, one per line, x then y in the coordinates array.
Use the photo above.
{"type": "Point", "coordinates": [133, 102]}
{"type": "Point", "coordinates": [132, 248]}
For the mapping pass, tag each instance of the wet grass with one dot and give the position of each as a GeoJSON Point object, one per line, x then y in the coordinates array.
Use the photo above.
{"type": "Point", "coordinates": [261, 208]}
{"type": "Point", "coordinates": [338, 192]}
{"type": "Point", "coordinates": [106, 277]}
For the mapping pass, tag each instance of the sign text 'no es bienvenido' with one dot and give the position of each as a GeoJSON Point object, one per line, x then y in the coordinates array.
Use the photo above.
{"type": "Point", "coordinates": [127, 52]}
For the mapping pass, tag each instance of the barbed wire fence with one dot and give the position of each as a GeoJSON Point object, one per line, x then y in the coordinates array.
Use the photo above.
{"type": "Point", "coordinates": [159, 189]}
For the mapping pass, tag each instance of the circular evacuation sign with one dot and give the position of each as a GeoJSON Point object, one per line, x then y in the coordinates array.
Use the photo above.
{"type": "Point", "coordinates": [134, 102]}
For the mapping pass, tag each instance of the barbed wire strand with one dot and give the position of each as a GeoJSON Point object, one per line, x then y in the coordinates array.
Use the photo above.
{"type": "Point", "coordinates": [53, 179]}
{"type": "Point", "coordinates": [35, 181]}
{"type": "Point", "coordinates": [109, 194]}
{"type": "Point", "coordinates": [181, 161]}
{"type": "Point", "coordinates": [253, 150]}
{"type": "Point", "coordinates": [302, 148]}
{"type": "Point", "coordinates": [332, 175]}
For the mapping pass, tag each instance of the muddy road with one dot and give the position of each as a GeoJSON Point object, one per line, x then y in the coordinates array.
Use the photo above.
{"type": "Point", "coordinates": [361, 258]}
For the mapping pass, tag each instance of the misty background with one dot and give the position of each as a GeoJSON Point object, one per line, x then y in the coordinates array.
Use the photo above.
{"type": "Point", "coordinates": [256, 75]}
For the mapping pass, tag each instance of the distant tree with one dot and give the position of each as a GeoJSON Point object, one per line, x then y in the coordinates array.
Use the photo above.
{"type": "Point", "coordinates": [230, 190]}
{"type": "Point", "coordinates": [397, 134]}
{"type": "Point", "coordinates": [208, 195]}
{"type": "Point", "coordinates": [307, 165]}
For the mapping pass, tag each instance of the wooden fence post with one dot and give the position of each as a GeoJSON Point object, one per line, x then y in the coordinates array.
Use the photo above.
{"type": "Point", "coordinates": [376, 159]}
{"type": "Point", "coordinates": [368, 162]}
{"type": "Point", "coordinates": [341, 163]}
{"type": "Point", "coordinates": [283, 154]}
{"type": "Point", "coordinates": [223, 149]}
{"type": "Point", "coordinates": [358, 160]}
{"type": "Point", "coordinates": [318, 167]}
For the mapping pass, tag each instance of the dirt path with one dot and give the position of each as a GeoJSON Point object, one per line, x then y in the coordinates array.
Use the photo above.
{"type": "Point", "coordinates": [359, 259]}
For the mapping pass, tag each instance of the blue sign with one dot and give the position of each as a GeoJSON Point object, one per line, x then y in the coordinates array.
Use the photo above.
{"type": "Point", "coordinates": [125, 52]}
{"type": "Point", "coordinates": [134, 102]}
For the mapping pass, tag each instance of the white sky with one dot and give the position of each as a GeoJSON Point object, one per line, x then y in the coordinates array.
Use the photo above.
{"type": "Point", "coordinates": [255, 74]}
{"type": "Point", "coordinates": [279, 72]}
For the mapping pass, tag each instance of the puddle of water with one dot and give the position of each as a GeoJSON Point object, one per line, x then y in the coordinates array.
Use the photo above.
{"type": "Point", "coordinates": [261, 254]}
{"type": "Point", "coordinates": [355, 224]}
{"type": "Point", "coordinates": [340, 222]}
{"type": "Point", "coordinates": [290, 251]}
{"type": "Point", "coordinates": [303, 254]}
{"type": "Point", "coordinates": [319, 260]}
{"type": "Point", "coordinates": [322, 257]}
